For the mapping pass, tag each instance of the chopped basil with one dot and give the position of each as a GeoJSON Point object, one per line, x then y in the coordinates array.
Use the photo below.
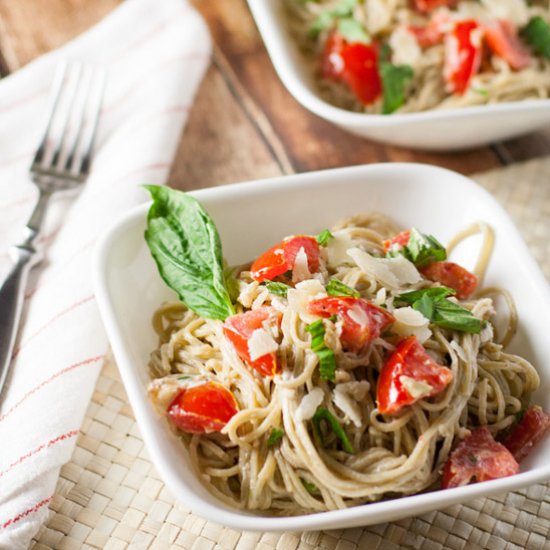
{"type": "Point", "coordinates": [324, 237]}
{"type": "Point", "coordinates": [184, 377]}
{"type": "Point", "coordinates": [322, 414]}
{"type": "Point", "coordinates": [537, 34]}
{"type": "Point", "coordinates": [309, 487]}
{"type": "Point", "coordinates": [325, 20]}
{"type": "Point", "coordinates": [280, 289]}
{"type": "Point", "coordinates": [353, 31]}
{"type": "Point", "coordinates": [395, 79]}
{"type": "Point", "coordinates": [338, 288]}
{"type": "Point", "coordinates": [434, 305]}
{"type": "Point", "coordinates": [421, 249]}
{"type": "Point", "coordinates": [275, 436]}
{"type": "Point", "coordinates": [186, 247]}
{"type": "Point", "coordinates": [327, 360]}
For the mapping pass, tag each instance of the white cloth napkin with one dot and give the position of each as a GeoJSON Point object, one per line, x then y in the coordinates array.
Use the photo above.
{"type": "Point", "coordinates": [156, 54]}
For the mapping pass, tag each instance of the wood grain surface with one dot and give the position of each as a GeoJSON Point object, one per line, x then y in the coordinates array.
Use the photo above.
{"type": "Point", "coordinates": [244, 124]}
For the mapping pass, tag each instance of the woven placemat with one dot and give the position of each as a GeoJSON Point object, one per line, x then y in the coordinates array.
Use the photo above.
{"type": "Point", "coordinates": [110, 496]}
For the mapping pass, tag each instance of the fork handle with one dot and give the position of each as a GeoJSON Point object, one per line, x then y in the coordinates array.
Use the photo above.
{"type": "Point", "coordinates": [12, 292]}
{"type": "Point", "coordinates": [11, 304]}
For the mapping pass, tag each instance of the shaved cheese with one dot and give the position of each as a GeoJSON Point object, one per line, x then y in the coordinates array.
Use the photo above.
{"type": "Point", "coordinates": [300, 271]}
{"type": "Point", "coordinates": [379, 14]}
{"type": "Point", "coordinates": [247, 293]}
{"type": "Point", "coordinates": [358, 315]}
{"type": "Point", "coordinates": [337, 248]}
{"type": "Point", "coordinates": [380, 297]}
{"type": "Point", "coordinates": [307, 407]}
{"type": "Point", "coordinates": [299, 297]}
{"type": "Point", "coordinates": [415, 388]}
{"type": "Point", "coordinates": [515, 11]}
{"type": "Point", "coordinates": [261, 343]}
{"type": "Point", "coordinates": [405, 48]}
{"type": "Point", "coordinates": [391, 272]}
{"type": "Point", "coordinates": [346, 397]}
{"type": "Point", "coordinates": [409, 322]}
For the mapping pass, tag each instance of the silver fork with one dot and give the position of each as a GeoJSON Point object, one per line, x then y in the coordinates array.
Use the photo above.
{"type": "Point", "coordinates": [61, 162]}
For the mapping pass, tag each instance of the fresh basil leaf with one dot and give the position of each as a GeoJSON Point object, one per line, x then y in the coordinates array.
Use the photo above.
{"type": "Point", "coordinates": [275, 436]}
{"type": "Point", "coordinates": [353, 31]}
{"type": "Point", "coordinates": [280, 289]}
{"type": "Point", "coordinates": [449, 315]}
{"type": "Point", "coordinates": [186, 247]}
{"type": "Point", "coordinates": [324, 237]}
{"type": "Point", "coordinates": [424, 249]}
{"type": "Point", "coordinates": [395, 79]}
{"type": "Point", "coordinates": [425, 306]}
{"type": "Point", "coordinates": [310, 487]}
{"type": "Point", "coordinates": [338, 288]}
{"type": "Point", "coordinates": [322, 414]}
{"type": "Point", "coordinates": [231, 283]}
{"type": "Point", "coordinates": [320, 23]}
{"type": "Point", "coordinates": [327, 19]}
{"type": "Point", "coordinates": [435, 293]}
{"type": "Point", "coordinates": [537, 34]}
{"type": "Point", "coordinates": [327, 359]}
{"type": "Point", "coordinates": [434, 305]}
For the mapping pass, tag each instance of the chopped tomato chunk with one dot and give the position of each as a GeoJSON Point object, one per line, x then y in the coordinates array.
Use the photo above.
{"type": "Point", "coordinates": [280, 258]}
{"type": "Point", "coordinates": [425, 6]}
{"type": "Point", "coordinates": [452, 275]}
{"type": "Point", "coordinates": [401, 240]}
{"type": "Point", "coordinates": [478, 456]}
{"type": "Point", "coordinates": [527, 433]}
{"type": "Point", "coordinates": [463, 51]}
{"type": "Point", "coordinates": [502, 38]}
{"type": "Point", "coordinates": [409, 374]}
{"type": "Point", "coordinates": [432, 33]}
{"type": "Point", "coordinates": [355, 64]}
{"type": "Point", "coordinates": [362, 321]}
{"type": "Point", "coordinates": [238, 330]}
{"type": "Point", "coordinates": [204, 408]}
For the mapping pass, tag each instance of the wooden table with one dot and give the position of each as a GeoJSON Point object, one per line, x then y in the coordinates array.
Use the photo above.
{"type": "Point", "coordinates": [244, 125]}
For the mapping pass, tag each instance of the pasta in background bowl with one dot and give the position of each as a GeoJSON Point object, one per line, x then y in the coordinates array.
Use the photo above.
{"type": "Point", "coordinates": [129, 290]}
{"type": "Point", "coordinates": [462, 124]}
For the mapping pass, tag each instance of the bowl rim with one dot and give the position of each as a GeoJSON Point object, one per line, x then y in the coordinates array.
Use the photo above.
{"type": "Point", "coordinates": [263, 13]}
{"type": "Point", "coordinates": [364, 514]}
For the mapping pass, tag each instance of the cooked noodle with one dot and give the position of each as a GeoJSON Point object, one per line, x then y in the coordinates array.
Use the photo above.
{"type": "Point", "coordinates": [385, 21]}
{"type": "Point", "coordinates": [394, 455]}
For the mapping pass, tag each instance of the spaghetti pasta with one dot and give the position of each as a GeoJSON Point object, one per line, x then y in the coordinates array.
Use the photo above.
{"type": "Point", "coordinates": [286, 450]}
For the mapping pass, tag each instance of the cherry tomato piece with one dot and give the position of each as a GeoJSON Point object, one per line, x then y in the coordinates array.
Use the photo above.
{"type": "Point", "coordinates": [280, 258]}
{"type": "Point", "coordinates": [432, 33]}
{"type": "Point", "coordinates": [502, 38]}
{"type": "Point", "coordinates": [355, 64]}
{"type": "Point", "coordinates": [400, 240]}
{"type": "Point", "coordinates": [452, 275]}
{"type": "Point", "coordinates": [239, 328]}
{"type": "Point", "coordinates": [362, 321]}
{"type": "Point", "coordinates": [409, 368]}
{"type": "Point", "coordinates": [527, 433]}
{"type": "Point", "coordinates": [203, 408]}
{"type": "Point", "coordinates": [478, 456]}
{"type": "Point", "coordinates": [463, 51]}
{"type": "Point", "coordinates": [425, 6]}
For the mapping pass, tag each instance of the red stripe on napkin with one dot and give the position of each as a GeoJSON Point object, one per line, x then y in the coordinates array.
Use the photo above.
{"type": "Point", "coordinates": [72, 307]}
{"type": "Point", "coordinates": [27, 512]}
{"type": "Point", "coordinates": [50, 379]}
{"type": "Point", "coordinates": [51, 442]}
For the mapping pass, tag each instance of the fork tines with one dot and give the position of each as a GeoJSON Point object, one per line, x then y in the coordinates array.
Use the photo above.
{"type": "Point", "coordinates": [65, 149]}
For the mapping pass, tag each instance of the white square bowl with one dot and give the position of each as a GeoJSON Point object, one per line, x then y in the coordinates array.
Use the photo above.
{"type": "Point", "coordinates": [435, 130]}
{"type": "Point", "coordinates": [251, 217]}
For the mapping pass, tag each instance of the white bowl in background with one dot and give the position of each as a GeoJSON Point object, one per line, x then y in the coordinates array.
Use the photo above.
{"type": "Point", "coordinates": [251, 217]}
{"type": "Point", "coordinates": [436, 130]}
